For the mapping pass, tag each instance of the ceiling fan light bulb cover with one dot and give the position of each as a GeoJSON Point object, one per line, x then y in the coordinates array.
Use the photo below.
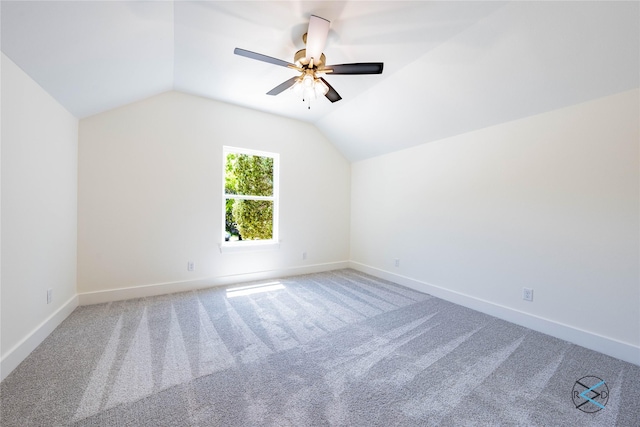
{"type": "Point", "coordinates": [307, 81]}
{"type": "Point", "coordinates": [320, 88]}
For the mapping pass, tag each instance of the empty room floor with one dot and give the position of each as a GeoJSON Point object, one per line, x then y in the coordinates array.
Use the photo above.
{"type": "Point", "coordinates": [333, 348]}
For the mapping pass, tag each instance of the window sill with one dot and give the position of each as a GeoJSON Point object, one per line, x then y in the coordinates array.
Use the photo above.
{"type": "Point", "coordinates": [269, 245]}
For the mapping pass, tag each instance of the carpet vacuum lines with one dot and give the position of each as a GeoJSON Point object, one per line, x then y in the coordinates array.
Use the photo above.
{"type": "Point", "coordinates": [338, 348]}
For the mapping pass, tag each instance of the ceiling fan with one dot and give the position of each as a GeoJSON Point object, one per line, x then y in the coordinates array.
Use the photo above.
{"type": "Point", "coordinates": [311, 64]}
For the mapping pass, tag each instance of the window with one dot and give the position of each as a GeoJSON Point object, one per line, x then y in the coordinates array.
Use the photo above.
{"type": "Point", "coordinates": [250, 196]}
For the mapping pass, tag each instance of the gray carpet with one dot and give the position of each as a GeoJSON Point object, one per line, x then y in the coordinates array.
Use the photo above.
{"type": "Point", "coordinates": [339, 348]}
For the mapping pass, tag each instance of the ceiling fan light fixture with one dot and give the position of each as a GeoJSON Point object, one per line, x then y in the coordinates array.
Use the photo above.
{"type": "Point", "coordinates": [308, 81]}
{"type": "Point", "coordinates": [310, 63]}
{"type": "Point", "coordinates": [309, 87]}
{"type": "Point", "coordinates": [297, 87]}
{"type": "Point", "coordinates": [320, 88]}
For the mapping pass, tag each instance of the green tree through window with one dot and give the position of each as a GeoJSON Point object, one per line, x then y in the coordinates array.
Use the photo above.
{"type": "Point", "coordinates": [250, 189]}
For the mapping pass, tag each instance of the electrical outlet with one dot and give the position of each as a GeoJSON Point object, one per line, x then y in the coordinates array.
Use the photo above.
{"type": "Point", "coordinates": [49, 296]}
{"type": "Point", "coordinates": [527, 294]}
{"type": "Point", "coordinates": [191, 266]}
{"type": "Point", "coordinates": [397, 262]}
{"type": "Point", "coordinates": [304, 255]}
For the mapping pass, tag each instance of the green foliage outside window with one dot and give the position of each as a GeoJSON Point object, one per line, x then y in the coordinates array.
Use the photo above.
{"type": "Point", "coordinates": [249, 175]}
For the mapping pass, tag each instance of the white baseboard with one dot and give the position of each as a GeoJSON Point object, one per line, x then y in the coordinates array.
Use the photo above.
{"type": "Point", "coordinates": [20, 351]}
{"type": "Point", "coordinates": [99, 297]}
{"type": "Point", "coordinates": [611, 347]}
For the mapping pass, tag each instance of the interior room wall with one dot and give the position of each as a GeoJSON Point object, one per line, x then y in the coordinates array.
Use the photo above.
{"type": "Point", "coordinates": [549, 202]}
{"type": "Point", "coordinates": [150, 197]}
{"type": "Point", "coordinates": [39, 212]}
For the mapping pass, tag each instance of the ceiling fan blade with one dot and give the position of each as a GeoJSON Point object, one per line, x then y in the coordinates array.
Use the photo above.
{"type": "Point", "coordinates": [331, 95]}
{"type": "Point", "coordinates": [282, 86]}
{"type": "Point", "coordinates": [359, 68]}
{"type": "Point", "coordinates": [263, 58]}
{"type": "Point", "coordinates": [316, 37]}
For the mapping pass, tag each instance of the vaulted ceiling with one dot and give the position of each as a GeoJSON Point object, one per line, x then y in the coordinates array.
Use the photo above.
{"type": "Point", "coordinates": [449, 67]}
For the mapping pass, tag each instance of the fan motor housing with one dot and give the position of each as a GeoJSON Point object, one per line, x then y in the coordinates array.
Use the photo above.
{"type": "Point", "coordinates": [300, 58]}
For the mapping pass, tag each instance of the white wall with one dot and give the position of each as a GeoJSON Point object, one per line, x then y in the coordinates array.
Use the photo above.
{"type": "Point", "coordinates": [150, 196]}
{"type": "Point", "coordinates": [39, 211]}
{"type": "Point", "coordinates": [549, 202]}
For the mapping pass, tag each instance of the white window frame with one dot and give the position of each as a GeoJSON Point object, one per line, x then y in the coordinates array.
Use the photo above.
{"type": "Point", "coordinates": [243, 245]}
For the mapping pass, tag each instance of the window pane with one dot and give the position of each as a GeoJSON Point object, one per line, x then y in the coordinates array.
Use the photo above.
{"type": "Point", "coordinates": [248, 175]}
{"type": "Point", "coordinates": [249, 219]}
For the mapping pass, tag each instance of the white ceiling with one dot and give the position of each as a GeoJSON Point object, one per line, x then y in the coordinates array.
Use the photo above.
{"type": "Point", "coordinates": [449, 67]}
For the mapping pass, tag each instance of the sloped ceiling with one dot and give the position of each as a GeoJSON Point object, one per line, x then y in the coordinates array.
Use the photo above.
{"type": "Point", "coordinates": [450, 67]}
